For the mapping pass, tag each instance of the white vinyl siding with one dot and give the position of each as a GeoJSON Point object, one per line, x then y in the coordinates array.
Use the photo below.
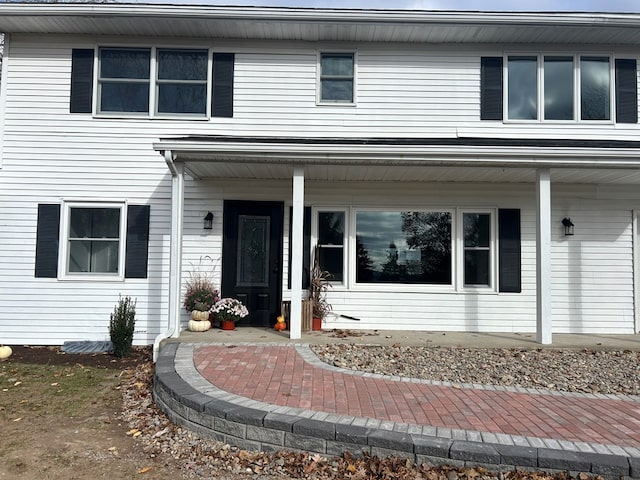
{"type": "Point", "coordinates": [403, 91]}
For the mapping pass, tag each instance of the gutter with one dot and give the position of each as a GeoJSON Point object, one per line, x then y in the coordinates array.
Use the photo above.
{"type": "Point", "coordinates": [175, 252]}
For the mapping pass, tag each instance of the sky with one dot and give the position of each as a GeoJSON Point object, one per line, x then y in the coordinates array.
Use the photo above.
{"type": "Point", "coordinates": [484, 5]}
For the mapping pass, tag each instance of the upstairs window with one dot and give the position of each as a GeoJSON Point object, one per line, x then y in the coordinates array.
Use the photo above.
{"type": "Point", "coordinates": [336, 77]}
{"type": "Point", "coordinates": [554, 87]}
{"type": "Point", "coordinates": [181, 83]}
{"type": "Point", "coordinates": [123, 80]}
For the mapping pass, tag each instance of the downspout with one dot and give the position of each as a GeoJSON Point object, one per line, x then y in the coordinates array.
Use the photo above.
{"type": "Point", "coordinates": [175, 252]}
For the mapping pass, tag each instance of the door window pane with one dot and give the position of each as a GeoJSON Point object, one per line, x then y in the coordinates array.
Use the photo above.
{"type": "Point", "coordinates": [330, 248]}
{"type": "Point", "coordinates": [522, 88]}
{"type": "Point", "coordinates": [403, 247]}
{"type": "Point", "coordinates": [94, 240]}
{"type": "Point", "coordinates": [477, 248]}
{"type": "Point", "coordinates": [253, 251]}
{"type": "Point", "coordinates": [595, 88]}
{"type": "Point", "coordinates": [558, 88]}
{"type": "Point", "coordinates": [336, 77]}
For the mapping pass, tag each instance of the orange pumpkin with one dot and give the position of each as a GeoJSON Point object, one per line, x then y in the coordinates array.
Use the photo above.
{"type": "Point", "coordinates": [280, 324]}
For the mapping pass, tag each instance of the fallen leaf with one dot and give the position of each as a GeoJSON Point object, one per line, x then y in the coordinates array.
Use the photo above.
{"type": "Point", "coordinates": [112, 449]}
{"type": "Point", "coordinates": [144, 470]}
{"type": "Point", "coordinates": [55, 384]}
{"type": "Point", "coordinates": [18, 419]}
{"type": "Point", "coordinates": [17, 383]}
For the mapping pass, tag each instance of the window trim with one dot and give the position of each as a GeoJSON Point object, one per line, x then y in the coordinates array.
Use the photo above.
{"type": "Point", "coordinates": [152, 111]}
{"type": "Point", "coordinates": [493, 248]}
{"type": "Point", "coordinates": [577, 93]}
{"type": "Point", "coordinates": [63, 257]}
{"type": "Point", "coordinates": [336, 103]}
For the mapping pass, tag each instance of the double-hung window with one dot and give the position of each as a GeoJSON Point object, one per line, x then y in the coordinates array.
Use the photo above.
{"type": "Point", "coordinates": [93, 239]}
{"type": "Point", "coordinates": [337, 77]}
{"type": "Point", "coordinates": [330, 245]}
{"type": "Point", "coordinates": [477, 240]}
{"type": "Point", "coordinates": [181, 84]}
{"type": "Point", "coordinates": [559, 87]}
{"type": "Point", "coordinates": [124, 80]}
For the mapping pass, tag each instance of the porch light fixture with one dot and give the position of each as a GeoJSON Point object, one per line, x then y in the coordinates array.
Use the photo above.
{"type": "Point", "coordinates": [208, 221]}
{"type": "Point", "coordinates": [568, 226]}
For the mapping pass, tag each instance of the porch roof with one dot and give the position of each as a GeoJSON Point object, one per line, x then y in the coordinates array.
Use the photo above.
{"type": "Point", "coordinates": [466, 159]}
{"type": "Point", "coordinates": [322, 24]}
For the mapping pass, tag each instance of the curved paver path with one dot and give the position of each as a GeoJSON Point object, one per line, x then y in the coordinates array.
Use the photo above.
{"type": "Point", "coordinates": [279, 375]}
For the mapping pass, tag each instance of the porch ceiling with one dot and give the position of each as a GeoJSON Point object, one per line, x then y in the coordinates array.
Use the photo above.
{"type": "Point", "coordinates": [391, 173]}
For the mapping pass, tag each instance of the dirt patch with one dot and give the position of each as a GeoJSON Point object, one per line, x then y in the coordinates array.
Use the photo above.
{"type": "Point", "coordinates": [60, 418]}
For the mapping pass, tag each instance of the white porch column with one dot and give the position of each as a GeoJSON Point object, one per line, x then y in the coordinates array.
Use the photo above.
{"type": "Point", "coordinates": [543, 257]}
{"type": "Point", "coordinates": [175, 249]}
{"type": "Point", "coordinates": [295, 322]}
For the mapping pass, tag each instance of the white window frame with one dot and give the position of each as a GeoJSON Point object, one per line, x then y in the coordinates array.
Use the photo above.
{"type": "Point", "coordinates": [577, 94]}
{"type": "Point", "coordinates": [63, 259]}
{"type": "Point", "coordinates": [335, 103]}
{"type": "Point", "coordinates": [398, 287]}
{"type": "Point", "coordinates": [152, 111]}
{"type": "Point", "coordinates": [345, 240]}
{"type": "Point", "coordinates": [493, 244]}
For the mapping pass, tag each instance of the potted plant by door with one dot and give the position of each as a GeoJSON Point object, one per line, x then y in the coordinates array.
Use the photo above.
{"type": "Point", "coordinates": [318, 293]}
{"type": "Point", "coordinates": [200, 295]}
{"type": "Point", "coordinates": [228, 311]}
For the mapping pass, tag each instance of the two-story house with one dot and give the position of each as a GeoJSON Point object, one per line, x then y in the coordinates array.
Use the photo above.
{"type": "Point", "coordinates": [461, 171]}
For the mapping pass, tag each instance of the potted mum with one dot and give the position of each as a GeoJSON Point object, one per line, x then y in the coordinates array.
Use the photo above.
{"type": "Point", "coordinates": [229, 311]}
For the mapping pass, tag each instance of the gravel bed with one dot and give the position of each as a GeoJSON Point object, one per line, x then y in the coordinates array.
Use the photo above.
{"type": "Point", "coordinates": [584, 371]}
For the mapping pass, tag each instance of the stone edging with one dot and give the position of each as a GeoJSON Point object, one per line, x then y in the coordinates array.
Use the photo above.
{"type": "Point", "coordinates": [190, 400]}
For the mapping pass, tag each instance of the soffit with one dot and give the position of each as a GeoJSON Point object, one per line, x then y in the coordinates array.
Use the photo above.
{"type": "Point", "coordinates": [322, 24]}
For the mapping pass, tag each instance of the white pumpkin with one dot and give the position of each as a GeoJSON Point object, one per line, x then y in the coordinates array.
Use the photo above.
{"type": "Point", "coordinates": [5, 352]}
{"type": "Point", "coordinates": [199, 326]}
{"type": "Point", "coordinates": [199, 316]}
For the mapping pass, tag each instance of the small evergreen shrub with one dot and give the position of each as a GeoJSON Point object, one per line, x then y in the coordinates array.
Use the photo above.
{"type": "Point", "coordinates": [122, 326]}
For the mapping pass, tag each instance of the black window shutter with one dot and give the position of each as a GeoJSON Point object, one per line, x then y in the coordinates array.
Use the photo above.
{"type": "Point", "coordinates": [137, 254]}
{"type": "Point", "coordinates": [306, 247]}
{"type": "Point", "coordinates": [626, 91]}
{"type": "Point", "coordinates": [81, 81]}
{"type": "Point", "coordinates": [491, 88]}
{"type": "Point", "coordinates": [47, 240]}
{"type": "Point", "coordinates": [222, 95]}
{"type": "Point", "coordinates": [509, 264]}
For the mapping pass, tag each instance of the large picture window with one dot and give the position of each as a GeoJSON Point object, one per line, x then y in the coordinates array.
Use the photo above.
{"type": "Point", "coordinates": [94, 240]}
{"type": "Point", "coordinates": [405, 247]}
{"type": "Point", "coordinates": [554, 87]}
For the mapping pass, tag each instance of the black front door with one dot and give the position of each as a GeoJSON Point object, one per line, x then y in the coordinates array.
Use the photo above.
{"type": "Point", "coordinates": [252, 258]}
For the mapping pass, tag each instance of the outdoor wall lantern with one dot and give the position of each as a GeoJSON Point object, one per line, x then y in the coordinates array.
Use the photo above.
{"type": "Point", "coordinates": [568, 226]}
{"type": "Point", "coordinates": [208, 221]}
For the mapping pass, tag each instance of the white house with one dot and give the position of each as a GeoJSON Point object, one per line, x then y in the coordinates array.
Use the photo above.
{"type": "Point", "coordinates": [429, 158]}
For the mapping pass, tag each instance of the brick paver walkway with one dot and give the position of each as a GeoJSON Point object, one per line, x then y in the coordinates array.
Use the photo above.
{"type": "Point", "coordinates": [279, 375]}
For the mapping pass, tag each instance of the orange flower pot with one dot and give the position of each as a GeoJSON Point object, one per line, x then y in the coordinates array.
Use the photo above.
{"type": "Point", "coordinates": [227, 325]}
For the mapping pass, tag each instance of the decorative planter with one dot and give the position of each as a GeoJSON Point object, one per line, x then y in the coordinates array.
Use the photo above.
{"type": "Point", "coordinates": [316, 324]}
{"type": "Point", "coordinates": [227, 325]}
{"type": "Point", "coordinates": [198, 326]}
